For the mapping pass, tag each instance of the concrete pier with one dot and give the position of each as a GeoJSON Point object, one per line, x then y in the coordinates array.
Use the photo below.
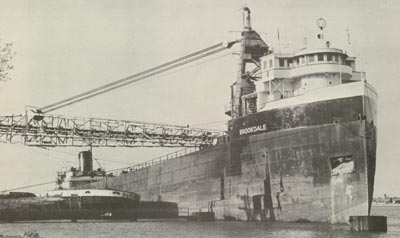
{"type": "Point", "coordinates": [368, 223]}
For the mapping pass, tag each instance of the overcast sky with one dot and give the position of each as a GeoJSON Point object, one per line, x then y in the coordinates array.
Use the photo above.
{"type": "Point", "coordinates": [65, 47]}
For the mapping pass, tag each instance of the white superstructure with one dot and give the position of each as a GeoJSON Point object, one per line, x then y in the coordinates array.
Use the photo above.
{"type": "Point", "coordinates": [284, 76]}
{"type": "Point", "coordinates": [92, 193]}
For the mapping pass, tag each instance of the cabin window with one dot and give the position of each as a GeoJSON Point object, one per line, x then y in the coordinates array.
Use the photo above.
{"type": "Point", "coordinates": [342, 165]}
{"type": "Point", "coordinates": [118, 193]}
{"type": "Point", "coordinates": [270, 63]}
{"type": "Point", "coordinates": [265, 64]}
{"type": "Point", "coordinates": [302, 59]}
{"type": "Point", "coordinates": [311, 58]}
{"type": "Point", "coordinates": [320, 57]}
{"type": "Point", "coordinates": [281, 63]}
{"type": "Point", "coordinates": [87, 192]}
{"type": "Point", "coordinates": [297, 61]}
{"type": "Point", "coordinates": [329, 57]}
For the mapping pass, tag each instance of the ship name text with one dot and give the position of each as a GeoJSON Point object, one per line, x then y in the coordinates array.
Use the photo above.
{"type": "Point", "coordinates": [253, 129]}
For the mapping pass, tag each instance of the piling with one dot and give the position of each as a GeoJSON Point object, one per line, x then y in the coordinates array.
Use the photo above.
{"type": "Point", "coordinates": [368, 223]}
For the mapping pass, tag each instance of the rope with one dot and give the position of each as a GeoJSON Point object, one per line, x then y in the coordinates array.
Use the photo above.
{"type": "Point", "coordinates": [211, 123]}
{"type": "Point", "coordinates": [29, 186]}
{"type": "Point", "coordinates": [132, 81]}
{"type": "Point", "coordinates": [124, 80]}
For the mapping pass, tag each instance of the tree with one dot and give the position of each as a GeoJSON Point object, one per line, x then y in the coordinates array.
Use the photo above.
{"type": "Point", "coordinates": [6, 55]}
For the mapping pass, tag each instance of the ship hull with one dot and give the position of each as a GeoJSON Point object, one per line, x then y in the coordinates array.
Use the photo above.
{"type": "Point", "coordinates": [313, 161]}
{"type": "Point", "coordinates": [84, 204]}
{"type": "Point", "coordinates": [69, 209]}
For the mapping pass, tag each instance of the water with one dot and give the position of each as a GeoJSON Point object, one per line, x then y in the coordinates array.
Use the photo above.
{"type": "Point", "coordinates": [219, 229]}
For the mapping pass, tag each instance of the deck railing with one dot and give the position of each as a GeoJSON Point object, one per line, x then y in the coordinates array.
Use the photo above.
{"type": "Point", "coordinates": [157, 160]}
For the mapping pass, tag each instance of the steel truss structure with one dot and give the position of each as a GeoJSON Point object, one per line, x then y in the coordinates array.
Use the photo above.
{"type": "Point", "coordinates": [53, 130]}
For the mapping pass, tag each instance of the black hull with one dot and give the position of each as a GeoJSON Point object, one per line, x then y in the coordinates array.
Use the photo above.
{"type": "Point", "coordinates": [313, 161]}
{"type": "Point", "coordinates": [57, 211]}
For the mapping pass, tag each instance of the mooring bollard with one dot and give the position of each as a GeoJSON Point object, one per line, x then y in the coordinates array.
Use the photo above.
{"type": "Point", "coordinates": [368, 223]}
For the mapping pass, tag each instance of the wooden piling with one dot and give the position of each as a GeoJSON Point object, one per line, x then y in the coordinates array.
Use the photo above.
{"type": "Point", "coordinates": [368, 223]}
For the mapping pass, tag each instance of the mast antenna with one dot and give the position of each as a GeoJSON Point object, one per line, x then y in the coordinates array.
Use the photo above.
{"type": "Point", "coordinates": [348, 36]}
{"type": "Point", "coordinates": [246, 19]}
{"type": "Point", "coordinates": [279, 41]}
{"type": "Point", "coordinates": [321, 24]}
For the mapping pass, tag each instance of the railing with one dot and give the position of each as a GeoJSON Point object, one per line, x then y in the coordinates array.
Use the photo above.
{"type": "Point", "coordinates": [157, 160]}
{"type": "Point", "coordinates": [260, 106]}
{"type": "Point", "coordinates": [188, 211]}
{"type": "Point", "coordinates": [184, 211]}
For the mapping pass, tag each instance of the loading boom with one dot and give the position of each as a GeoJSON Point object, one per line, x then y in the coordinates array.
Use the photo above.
{"type": "Point", "coordinates": [50, 130]}
{"type": "Point", "coordinates": [42, 129]}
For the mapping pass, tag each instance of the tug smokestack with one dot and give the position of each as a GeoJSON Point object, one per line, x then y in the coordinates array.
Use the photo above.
{"type": "Point", "coordinates": [85, 161]}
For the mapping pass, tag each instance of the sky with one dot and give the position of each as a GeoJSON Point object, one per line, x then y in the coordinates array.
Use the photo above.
{"type": "Point", "coordinates": [65, 47]}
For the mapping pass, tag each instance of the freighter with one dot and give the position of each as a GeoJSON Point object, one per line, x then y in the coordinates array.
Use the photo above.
{"type": "Point", "coordinates": [300, 144]}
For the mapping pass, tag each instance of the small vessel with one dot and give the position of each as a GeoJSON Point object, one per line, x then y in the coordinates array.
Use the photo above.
{"type": "Point", "coordinates": [66, 203]}
{"type": "Point", "coordinates": [74, 204]}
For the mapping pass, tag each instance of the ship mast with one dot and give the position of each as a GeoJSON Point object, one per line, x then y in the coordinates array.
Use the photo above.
{"type": "Point", "coordinates": [252, 48]}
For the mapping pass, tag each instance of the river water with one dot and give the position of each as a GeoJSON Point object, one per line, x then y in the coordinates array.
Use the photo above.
{"type": "Point", "coordinates": [217, 229]}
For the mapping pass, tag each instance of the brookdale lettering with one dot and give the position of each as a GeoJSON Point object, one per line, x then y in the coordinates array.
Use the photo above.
{"type": "Point", "coordinates": [252, 129]}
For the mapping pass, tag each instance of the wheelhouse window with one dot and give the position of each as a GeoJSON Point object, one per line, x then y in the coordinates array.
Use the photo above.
{"type": "Point", "coordinates": [320, 57]}
{"type": "Point", "coordinates": [330, 57]}
{"type": "Point", "coordinates": [264, 64]}
{"type": "Point", "coordinates": [335, 58]}
{"type": "Point", "coordinates": [289, 61]}
{"type": "Point", "coordinates": [281, 63]}
{"type": "Point", "coordinates": [270, 63]}
{"type": "Point", "coordinates": [302, 60]}
{"type": "Point", "coordinates": [311, 58]}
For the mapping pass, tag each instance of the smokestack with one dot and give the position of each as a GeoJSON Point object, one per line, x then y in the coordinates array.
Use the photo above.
{"type": "Point", "coordinates": [86, 164]}
{"type": "Point", "coordinates": [246, 19]}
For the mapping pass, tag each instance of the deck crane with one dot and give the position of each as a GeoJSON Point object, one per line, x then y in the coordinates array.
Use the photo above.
{"type": "Point", "coordinates": [38, 128]}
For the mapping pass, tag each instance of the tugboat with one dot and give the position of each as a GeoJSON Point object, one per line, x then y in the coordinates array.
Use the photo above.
{"type": "Point", "coordinates": [81, 204]}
